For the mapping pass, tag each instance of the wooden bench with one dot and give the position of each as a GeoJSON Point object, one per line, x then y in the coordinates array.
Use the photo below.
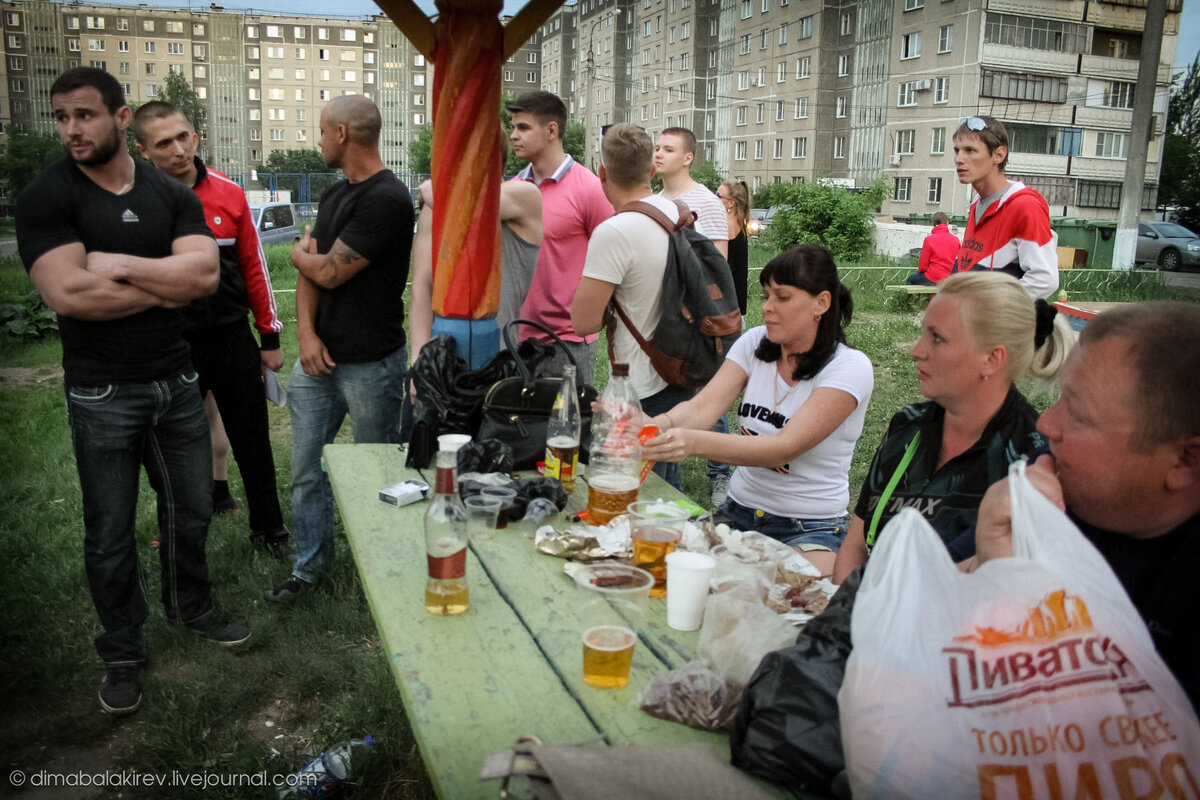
{"type": "Point", "coordinates": [511, 665]}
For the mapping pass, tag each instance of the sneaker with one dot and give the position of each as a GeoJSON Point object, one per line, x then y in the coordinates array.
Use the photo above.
{"type": "Point", "coordinates": [720, 489]}
{"type": "Point", "coordinates": [275, 544]}
{"type": "Point", "coordinates": [287, 591]}
{"type": "Point", "coordinates": [219, 627]}
{"type": "Point", "coordinates": [121, 692]}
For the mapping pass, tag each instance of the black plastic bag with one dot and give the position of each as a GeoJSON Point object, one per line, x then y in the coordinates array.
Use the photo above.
{"type": "Point", "coordinates": [788, 729]}
{"type": "Point", "coordinates": [488, 455]}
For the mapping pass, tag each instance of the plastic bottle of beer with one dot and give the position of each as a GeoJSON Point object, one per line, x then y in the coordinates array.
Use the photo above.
{"type": "Point", "coordinates": [615, 457]}
{"type": "Point", "coordinates": [562, 434]}
{"type": "Point", "coordinates": [446, 535]}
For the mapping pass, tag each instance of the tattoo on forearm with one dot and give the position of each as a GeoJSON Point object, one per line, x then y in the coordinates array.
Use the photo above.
{"type": "Point", "coordinates": [343, 253]}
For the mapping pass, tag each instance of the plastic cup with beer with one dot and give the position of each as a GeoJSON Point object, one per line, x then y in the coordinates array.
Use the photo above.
{"type": "Point", "coordinates": [482, 512]}
{"type": "Point", "coordinates": [657, 527]}
{"type": "Point", "coordinates": [614, 604]}
{"type": "Point", "coordinates": [507, 497]}
{"type": "Point", "coordinates": [688, 576]}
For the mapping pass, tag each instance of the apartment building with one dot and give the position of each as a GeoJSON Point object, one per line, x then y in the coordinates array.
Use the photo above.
{"type": "Point", "coordinates": [775, 90]}
{"type": "Point", "coordinates": [263, 78]}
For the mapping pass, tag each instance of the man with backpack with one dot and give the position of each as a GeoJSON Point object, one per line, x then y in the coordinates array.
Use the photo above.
{"type": "Point", "coordinates": [627, 261]}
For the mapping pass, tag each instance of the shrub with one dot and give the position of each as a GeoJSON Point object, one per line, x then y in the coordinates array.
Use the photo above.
{"type": "Point", "coordinates": [27, 317]}
{"type": "Point", "coordinates": [831, 216]}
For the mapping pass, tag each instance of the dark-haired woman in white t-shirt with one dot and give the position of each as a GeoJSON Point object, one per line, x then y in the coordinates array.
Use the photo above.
{"type": "Point", "coordinates": [805, 394]}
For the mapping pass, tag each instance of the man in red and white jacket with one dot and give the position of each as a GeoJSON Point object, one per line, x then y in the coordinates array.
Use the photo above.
{"type": "Point", "coordinates": [229, 363]}
{"type": "Point", "coordinates": [1008, 227]}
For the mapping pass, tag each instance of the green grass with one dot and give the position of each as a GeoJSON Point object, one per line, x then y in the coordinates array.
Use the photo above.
{"type": "Point", "coordinates": [315, 671]}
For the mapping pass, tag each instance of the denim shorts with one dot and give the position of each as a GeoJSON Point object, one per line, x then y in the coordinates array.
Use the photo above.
{"type": "Point", "coordinates": [806, 534]}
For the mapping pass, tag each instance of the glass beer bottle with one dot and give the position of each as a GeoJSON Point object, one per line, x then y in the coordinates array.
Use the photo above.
{"type": "Point", "coordinates": [614, 468]}
{"type": "Point", "coordinates": [446, 541]}
{"type": "Point", "coordinates": [562, 433]}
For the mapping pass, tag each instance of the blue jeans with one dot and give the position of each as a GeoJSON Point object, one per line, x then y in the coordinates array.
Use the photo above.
{"type": "Point", "coordinates": [807, 534]}
{"type": "Point", "coordinates": [659, 403]}
{"type": "Point", "coordinates": [115, 429]}
{"type": "Point", "coordinates": [716, 468]}
{"type": "Point", "coordinates": [919, 279]}
{"type": "Point", "coordinates": [372, 394]}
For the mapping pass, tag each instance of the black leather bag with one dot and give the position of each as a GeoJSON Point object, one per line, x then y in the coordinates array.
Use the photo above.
{"type": "Point", "coordinates": [516, 410]}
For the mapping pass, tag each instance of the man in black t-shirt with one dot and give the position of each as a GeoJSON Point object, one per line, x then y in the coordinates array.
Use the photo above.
{"type": "Point", "coordinates": [349, 324]}
{"type": "Point", "coordinates": [1125, 464]}
{"type": "Point", "coordinates": [115, 248]}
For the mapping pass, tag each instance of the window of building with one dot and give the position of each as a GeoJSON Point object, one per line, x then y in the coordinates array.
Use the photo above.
{"type": "Point", "coordinates": [323, 34]}
{"type": "Point", "coordinates": [802, 67]}
{"type": "Point", "coordinates": [740, 115]}
{"type": "Point", "coordinates": [839, 147]}
{"type": "Point", "coordinates": [509, 75]}
{"type": "Point", "coordinates": [253, 93]}
{"type": "Point", "coordinates": [902, 192]}
{"type": "Point", "coordinates": [299, 32]}
{"type": "Point", "coordinates": [806, 28]}
{"type": "Point", "coordinates": [762, 76]}
{"type": "Point", "coordinates": [301, 135]}
{"type": "Point", "coordinates": [783, 33]}
{"type": "Point", "coordinates": [938, 145]}
{"type": "Point", "coordinates": [277, 134]}
{"type": "Point", "coordinates": [123, 68]}
{"type": "Point", "coordinates": [743, 80]}
{"type": "Point", "coordinates": [348, 55]}
{"type": "Point", "coordinates": [531, 77]}
{"type": "Point", "coordinates": [324, 95]}
{"type": "Point", "coordinates": [1035, 33]}
{"type": "Point", "coordinates": [913, 5]}
{"type": "Point", "coordinates": [73, 45]}
{"type": "Point", "coordinates": [253, 73]}
{"type": "Point", "coordinates": [95, 23]}
{"type": "Point", "coordinates": [276, 114]}
{"type": "Point", "coordinates": [761, 117]}
{"type": "Point", "coordinates": [745, 44]}
{"type": "Point", "coordinates": [1118, 94]}
{"type": "Point", "coordinates": [96, 45]}
{"type": "Point", "coordinates": [847, 24]}
{"type": "Point", "coordinates": [758, 149]}
{"type": "Point", "coordinates": [910, 45]}
{"type": "Point", "coordinates": [801, 108]}
{"type": "Point", "coordinates": [324, 74]}
{"type": "Point", "coordinates": [200, 52]}
{"type": "Point", "coordinates": [251, 52]}
{"type": "Point", "coordinates": [843, 66]}
{"type": "Point", "coordinates": [418, 80]}
{"type": "Point", "coordinates": [941, 90]}
{"type": "Point", "coordinates": [779, 104]}
{"type": "Point", "coordinates": [747, 9]}
{"type": "Point", "coordinates": [800, 147]}
{"type": "Point", "coordinates": [301, 95]}
{"type": "Point", "coordinates": [739, 149]}
{"type": "Point", "coordinates": [764, 39]}
{"type": "Point", "coordinates": [123, 46]}
{"type": "Point", "coordinates": [174, 48]}
{"type": "Point", "coordinates": [251, 31]}
{"type": "Point", "coordinates": [149, 48]}
{"type": "Point", "coordinates": [175, 68]}
{"type": "Point", "coordinates": [1023, 86]}
{"type": "Point", "coordinates": [840, 107]}
{"type": "Point", "coordinates": [174, 26]}
{"type": "Point", "coordinates": [907, 95]}
{"type": "Point", "coordinates": [98, 65]}
{"type": "Point", "coordinates": [532, 59]}
{"type": "Point", "coordinates": [13, 19]}
{"type": "Point", "coordinates": [935, 191]}
{"type": "Point", "coordinates": [151, 68]}
{"type": "Point", "coordinates": [148, 25]}
{"type": "Point", "coordinates": [905, 141]}
{"type": "Point", "coordinates": [200, 72]}
{"type": "Point", "coordinates": [349, 75]}
{"type": "Point", "coordinates": [945, 38]}
{"type": "Point", "coordinates": [151, 90]}
{"type": "Point", "coordinates": [275, 94]}
{"type": "Point", "coordinates": [197, 29]}
{"type": "Point", "coordinates": [778, 149]}
{"type": "Point", "coordinates": [1112, 145]}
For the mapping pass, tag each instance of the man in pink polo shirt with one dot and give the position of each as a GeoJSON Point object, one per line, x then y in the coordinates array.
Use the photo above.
{"type": "Point", "coordinates": [573, 204]}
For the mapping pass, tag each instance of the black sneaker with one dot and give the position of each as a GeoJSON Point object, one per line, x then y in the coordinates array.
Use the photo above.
{"type": "Point", "coordinates": [275, 544]}
{"type": "Point", "coordinates": [121, 692]}
{"type": "Point", "coordinates": [287, 591]}
{"type": "Point", "coordinates": [219, 627]}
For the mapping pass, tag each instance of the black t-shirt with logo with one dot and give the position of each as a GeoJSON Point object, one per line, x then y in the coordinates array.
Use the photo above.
{"type": "Point", "coordinates": [363, 319]}
{"type": "Point", "coordinates": [948, 498]}
{"type": "Point", "coordinates": [63, 206]}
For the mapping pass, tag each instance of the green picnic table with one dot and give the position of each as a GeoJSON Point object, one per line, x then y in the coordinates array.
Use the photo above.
{"type": "Point", "coordinates": [512, 665]}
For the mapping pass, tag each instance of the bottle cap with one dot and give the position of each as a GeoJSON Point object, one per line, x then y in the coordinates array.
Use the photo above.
{"type": "Point", "coordinates": [452, 442]}
{"type": "Point", "coordinates": [620, 370]}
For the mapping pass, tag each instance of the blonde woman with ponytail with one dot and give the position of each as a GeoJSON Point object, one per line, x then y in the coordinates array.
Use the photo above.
{"type": "Point", "coordinates": [980, 333]}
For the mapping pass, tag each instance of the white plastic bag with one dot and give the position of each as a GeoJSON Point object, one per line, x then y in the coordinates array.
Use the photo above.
{"type": "Point", "coordinates": [1033, 677]}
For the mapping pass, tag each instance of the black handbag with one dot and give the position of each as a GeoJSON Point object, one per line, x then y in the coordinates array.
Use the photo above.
{"type": "Point", "coordinates": [516, 410]}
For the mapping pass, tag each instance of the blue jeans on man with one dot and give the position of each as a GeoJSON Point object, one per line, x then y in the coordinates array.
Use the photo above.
{"type": "Point", "coordinates": [372, 395]}
{"type": "Point", "coordinates": [115, 429]}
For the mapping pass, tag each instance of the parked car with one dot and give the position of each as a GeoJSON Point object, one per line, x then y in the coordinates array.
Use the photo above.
{"type": "Point", "coordinates": [758, 221]}
{"type": "Point", "coordinates": [1167, 244]}
{"type": "Point", "coordinates": [276, 223]}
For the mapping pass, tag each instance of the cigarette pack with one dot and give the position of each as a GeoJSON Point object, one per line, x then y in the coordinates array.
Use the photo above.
{"type": "Point", "coordinates": [404, 493]}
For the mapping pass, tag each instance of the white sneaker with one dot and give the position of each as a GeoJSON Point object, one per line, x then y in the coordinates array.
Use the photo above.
{"type": "Point", "coordinates": [720, 489]}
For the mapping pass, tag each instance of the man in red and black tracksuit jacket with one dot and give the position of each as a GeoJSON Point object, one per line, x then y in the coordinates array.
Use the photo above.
{"type": "Point", "coordinates": [230, 364]}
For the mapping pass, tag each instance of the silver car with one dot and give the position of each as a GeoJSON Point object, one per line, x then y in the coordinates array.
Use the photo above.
{"type": "Point", "coordinates": [276, 223]}
{"type": "Point", "coordinates": [1167, 244]}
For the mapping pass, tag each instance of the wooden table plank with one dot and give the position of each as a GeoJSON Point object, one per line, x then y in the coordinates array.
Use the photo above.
{"type": "Point", "coordinates": [470, 684]}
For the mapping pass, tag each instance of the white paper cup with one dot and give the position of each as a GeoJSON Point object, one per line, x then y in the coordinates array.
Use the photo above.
{"type": "Point", "coordinates": [688, 576]}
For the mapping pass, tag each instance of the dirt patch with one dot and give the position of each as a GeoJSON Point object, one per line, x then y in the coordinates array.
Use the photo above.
{"type": "Point", "coordinates": [274, 728]}
{"type": "Point", "coordinates": [31, 376]}
{"type": "Point", "coordinates": [60, 769]}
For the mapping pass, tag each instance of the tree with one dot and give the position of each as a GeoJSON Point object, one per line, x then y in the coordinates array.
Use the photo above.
{"type": "Point", "coordinates": [179, 93]}
{"type": "Point", "coordinates": [574, 140]}
{"type": "Point", "coordinates": [707, 174]}
{"type": "Point", "coordinates": [831, 216]}
{"type": "Point", "coordinates": [28, 153]}
{"type": "Point", "coordinates": [420, 151]}
{"type": "Point", "coordinates": [297, 162]}
{"type": "Point", "coordinates": [1179, 182]}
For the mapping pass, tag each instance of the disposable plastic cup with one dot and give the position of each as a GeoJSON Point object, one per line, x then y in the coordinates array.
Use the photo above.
{"type": "Point", "coordinates": [507, 498]}
{"type": "Point", "coordinates": [613, 605]}
{"type": "Point", "coordinates": [657, 529]}
{"type": "Point", "coordinates": [481, 516]}
{"type": "Point", "coordinates": [688, 577]}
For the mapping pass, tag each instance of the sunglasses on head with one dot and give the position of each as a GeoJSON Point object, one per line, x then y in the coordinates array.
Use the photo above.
{"type": "Point", "coordinates": [974, 123]}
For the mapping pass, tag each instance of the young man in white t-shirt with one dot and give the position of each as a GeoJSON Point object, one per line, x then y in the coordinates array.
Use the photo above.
{"type": "Point", "coordinates": [626, 257]}
{"type": "Point", "coordinates": [673, 157]}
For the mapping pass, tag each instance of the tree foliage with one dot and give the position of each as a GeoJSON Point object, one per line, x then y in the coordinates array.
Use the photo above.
{"type": "Point", "coordinates": [831, 216]}
{"type": "Point", "coordinates": [1179, 182]}
{"type": "Point", "coordinates": [28, 153]}
{"type": "Point", "coordinates": [420, 151]}
{"type": "Point", "coordinates": [574, 140]}
{"type": "Point", "coordinates": [179, 93]}
{"type": "Point", "coordinates": [308, 161]}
